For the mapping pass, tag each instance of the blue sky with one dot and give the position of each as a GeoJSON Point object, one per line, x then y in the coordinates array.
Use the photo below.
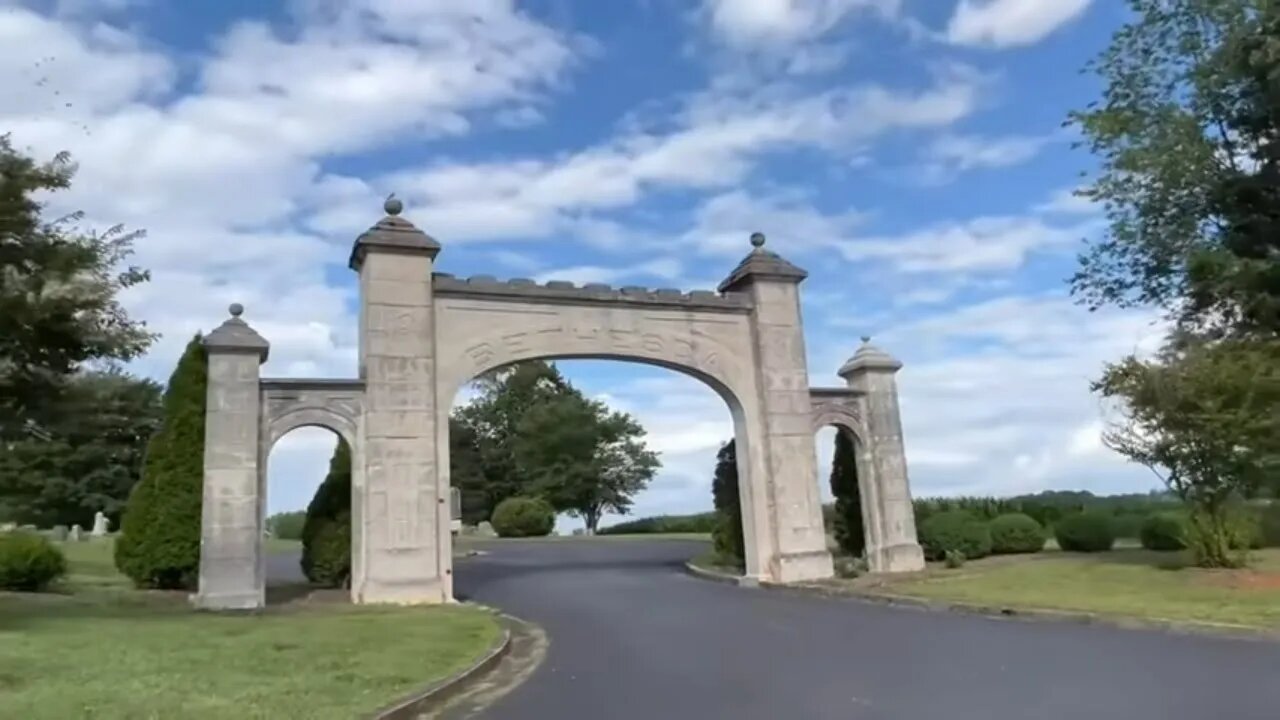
{"type": "Point", "coordinates": [909, 153]}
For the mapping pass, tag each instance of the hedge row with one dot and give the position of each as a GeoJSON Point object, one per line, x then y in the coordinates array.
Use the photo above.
{"type": "Point", "coordinates": [663, 524]}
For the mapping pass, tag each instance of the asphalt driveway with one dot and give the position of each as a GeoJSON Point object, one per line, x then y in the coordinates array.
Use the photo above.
{"type": "Point", "coordinates": [634, 638]}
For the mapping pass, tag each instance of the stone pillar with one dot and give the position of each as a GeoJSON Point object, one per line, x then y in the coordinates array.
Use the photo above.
{"type": "Point", "coordinates": [231, 575]}
{"type": "Point", "coordinates": [400, 531]}
{"type": "Point", "coordinates": [887, 513]}
{"type": "Point", "coordinates": [792, 506]}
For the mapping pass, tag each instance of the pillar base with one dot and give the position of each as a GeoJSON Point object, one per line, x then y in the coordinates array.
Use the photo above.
{"type": "Point", "coordinates": [804, 566]}
{"type": "Point", "coordinates": [228, 601]}
{"type": "Point", "coordinates": [901, 558]}
{"type": "Point", "coordinates": [426, 592]}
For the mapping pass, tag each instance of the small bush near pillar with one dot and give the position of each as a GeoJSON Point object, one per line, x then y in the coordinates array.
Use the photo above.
{"type": "Point", "coordinates": [159, 546]}
{"type": "Point", "coordinates": [523, 517]}
{"type": "Point", "coordinates": [1165, 532]}
{"type": "Point", "coordinates": [1016, 533]}
{"type": "Point", "coordinates": [29, 562]}
{"type": "Point", "coordinates": [1085, 532]}
{"type": "Point", "coordinates": [955, 530]}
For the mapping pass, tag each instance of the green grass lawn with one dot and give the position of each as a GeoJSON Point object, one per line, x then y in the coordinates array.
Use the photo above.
{"type": "Point", "coordinates": [1125, 582]}
{"type": "Point", "coordinates": [99, 649]}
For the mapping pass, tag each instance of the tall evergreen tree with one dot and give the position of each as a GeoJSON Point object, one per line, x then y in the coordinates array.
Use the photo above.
{"type": "Point", "coordinates": [326, 532]}
{"type": "Point", "coordinates": [728, 535]}
{"type": "Point", "coordinates": [844, 487]}
{"type": "Point", "coordinates": [160, 546]}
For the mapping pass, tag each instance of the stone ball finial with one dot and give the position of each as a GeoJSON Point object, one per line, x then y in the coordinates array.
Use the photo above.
{"type": "Point", "coordinates": [866, 339]}
{"type": "Point", "coordinates": [236, 310]}
{"type": "Point", "coordinates": [392, 205]}
{"type": "Point", "coordinates": [757, 239]}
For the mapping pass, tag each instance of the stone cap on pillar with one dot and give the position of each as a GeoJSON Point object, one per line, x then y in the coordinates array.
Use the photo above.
{"type": "Point", "coordinates": [393, 233]}
{"type": "Point", "coordinates": [869, 357]}
{"type": "Point", "coordinates": [761, 264]}
{"type": "Point", "coordinates": [235, 335]}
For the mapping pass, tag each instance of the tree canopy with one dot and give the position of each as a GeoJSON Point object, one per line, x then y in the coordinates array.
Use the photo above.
{"type": "Point", "coordinates": [58, 293]}
{"type": "Point", "coordinates": [89, 456]}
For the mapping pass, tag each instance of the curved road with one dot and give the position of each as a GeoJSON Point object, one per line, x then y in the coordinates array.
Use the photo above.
{"type": "Point", "coordinates": [633, 637]}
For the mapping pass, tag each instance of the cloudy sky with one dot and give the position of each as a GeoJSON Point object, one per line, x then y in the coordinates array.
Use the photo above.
{"type": "Point", "coordinates": [909, 153]}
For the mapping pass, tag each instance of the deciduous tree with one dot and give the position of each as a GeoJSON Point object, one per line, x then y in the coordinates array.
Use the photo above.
{"type": "Point", "coordinates": [58, 293]}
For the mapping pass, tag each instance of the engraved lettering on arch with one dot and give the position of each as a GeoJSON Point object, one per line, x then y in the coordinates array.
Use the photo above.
{"type": "Point", "coordinates": [651, 342]}
{"type": "Point", "coordinates": [481, 353]}
{"type": "Point", "coordinates": [621, 339]}
{"type": "Point", "coordinates": [683, 349]}
{"type": "Point", "coordinates": [515, 342]}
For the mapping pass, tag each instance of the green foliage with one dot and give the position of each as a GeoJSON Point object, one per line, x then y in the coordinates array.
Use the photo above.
{"type": "Point", "coordinates": [287, 525]}
{"type": "Point", "coordinates": [326, 529]}
{"type": "Point", "coordinates": [1184, 135]}
{"type": "Point", "coordinates": [160, 545]}
{"type": "Point", "coordinates": [1203, 415]}
{"type": "Point", "coordinates": [581, 458]}
{"type": "Point", "coordinates": [1085, 532]}
{"type": "Point", "coordinates": [1126, 511]}
{"type": "Point", "coordinates": [1164, 532]}
{"type": "Point", "coordinates": [488, 427]}
{"type": "Point", "coordinates": [1269, 525]}
{"type": "Point", "coordinates": [955, 530]}
{"type": "Point", "coordinates": [29, 562]}
{"type": "Point", "coordinates": [954, 559]}
{"type": "Point", "coordinates": [58, 306]}
{"type": "Point", "coordinates": [90, 456]}
{"type": "Point", "coordinates": [848, 500]}
{"type": "Point", "coordinates": [518, 517]}
{"type": "Point", "coordinates": [727, 535]}
{"type": "Point", "coordinates": [1015, 533]}
{"type": "Point", "coordinates": [664, 524]}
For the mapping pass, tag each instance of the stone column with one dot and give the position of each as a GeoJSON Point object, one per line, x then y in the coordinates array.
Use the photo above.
{"type": "Point", "coordinates": [887, 512]}
{"type": "Point", "coordinates": [400, 533]}
{"type": "Point", "coordinates": [792, 505]}
{"type": "Point", "coordinates": [230, 542]}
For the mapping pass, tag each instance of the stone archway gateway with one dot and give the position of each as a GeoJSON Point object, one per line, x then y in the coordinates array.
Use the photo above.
{"type": "Point", "coordinates": [423, 335]}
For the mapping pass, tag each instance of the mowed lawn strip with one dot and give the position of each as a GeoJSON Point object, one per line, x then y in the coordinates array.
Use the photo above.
{"type": "Point", "coordinates": [105, 651]}
{"type": "Point", "coordinates": [1135, 583]}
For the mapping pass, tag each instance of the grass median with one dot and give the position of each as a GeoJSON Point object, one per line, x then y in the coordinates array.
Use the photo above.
{"type": "Point", "coordinates": [1125, 583]}
{"type": "Point", "coordinates": [97, 648]}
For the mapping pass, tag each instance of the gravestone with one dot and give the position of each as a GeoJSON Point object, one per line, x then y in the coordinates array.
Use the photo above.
{"type": "Point", "coordinates": [59, 533]}
{"type": "Point", "coordinates": [101, 525]}
{"type": "Point", "coordinates": [485, 529]}
{"type": "Point", "coordinates": [8, 527]}
{"type": "Point", "coordinates": [455, 510]}
{"type": "Point", "coordinates": [75, 535]}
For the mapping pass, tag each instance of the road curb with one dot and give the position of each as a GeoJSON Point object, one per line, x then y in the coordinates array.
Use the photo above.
{"type": "Point", "coordinates": [1000, 612]}
{"type": "Point", "coordinates": [418, 702]}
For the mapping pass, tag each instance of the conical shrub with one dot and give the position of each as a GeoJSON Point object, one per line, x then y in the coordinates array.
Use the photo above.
{"type": "Point", "coordinates": [160, 542]}
{"type": "Point", "coordinates": [326, 532]}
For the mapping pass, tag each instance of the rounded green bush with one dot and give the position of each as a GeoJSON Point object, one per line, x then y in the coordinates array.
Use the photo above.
{"type": "Point", "coordinates": [29, 562]}
{"type": "Point", "coordinates": [955, 530]}
{"type": "Point", "coordinates": [523, 517]}
{"type": "Point", "coordinates": [1085, 532]}
{"type": "Point", "coordinates": [1164, 532]}
{"type": "Point", "coordinates": [1014, 533]}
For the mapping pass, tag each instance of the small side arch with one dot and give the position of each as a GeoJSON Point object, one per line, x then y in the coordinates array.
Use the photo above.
{"type": "Point", "coordinates": [330, 419]}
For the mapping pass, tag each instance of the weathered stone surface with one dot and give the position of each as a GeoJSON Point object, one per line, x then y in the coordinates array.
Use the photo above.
{"type": "Point", "coordinates": [75, 534]}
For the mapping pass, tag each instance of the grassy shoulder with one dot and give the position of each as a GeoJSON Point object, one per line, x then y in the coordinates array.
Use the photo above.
{"type": "Point", "coordinates": [98, 648]}
{"type": "Point", "coordinates": [1124, 582]}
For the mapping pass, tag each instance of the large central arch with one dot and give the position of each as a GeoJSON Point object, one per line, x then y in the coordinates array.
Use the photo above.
{"type": "Point", "coordinates": [424, 334]}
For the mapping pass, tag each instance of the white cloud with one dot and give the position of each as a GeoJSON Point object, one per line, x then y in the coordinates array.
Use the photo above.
{"type": "Point", "coordinates": [982, 244]}
{"type": "Point", "coordinates": [1009, 23]}
{"type": "Point", "coordinates": [952, 154]}
{"type": "Point", "coordinates": [1069, 202]}
{"type": "Point", "coordinates": [747, 23]}
{"type": "Point", "coordinates": [666, 269]}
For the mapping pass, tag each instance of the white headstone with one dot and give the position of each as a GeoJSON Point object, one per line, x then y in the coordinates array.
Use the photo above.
{"type": "Point", "coordinates": [74, 534]}
{"type": "Point", "coordinates": [101, 525]}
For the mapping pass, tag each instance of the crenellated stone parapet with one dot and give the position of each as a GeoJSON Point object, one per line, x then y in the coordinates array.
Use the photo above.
{"type": "Point", "coordinates": [487, 287]}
